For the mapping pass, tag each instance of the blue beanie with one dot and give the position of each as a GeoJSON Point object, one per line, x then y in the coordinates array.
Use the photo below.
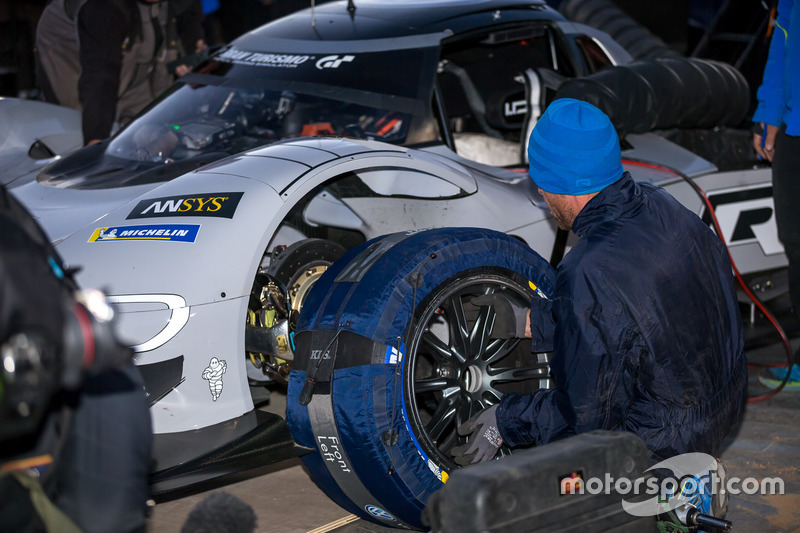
{"type": "Point", "coordinates": [574, 149]}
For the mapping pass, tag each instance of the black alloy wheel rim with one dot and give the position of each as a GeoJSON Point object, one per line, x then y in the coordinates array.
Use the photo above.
{"type": "Point", "coordinates": [454, 369]}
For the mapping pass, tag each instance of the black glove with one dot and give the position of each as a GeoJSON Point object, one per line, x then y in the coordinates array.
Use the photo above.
{"type": "Point", "coordinates": [484, 438]}
{"type": "Point", "coordinates": [510, 319]}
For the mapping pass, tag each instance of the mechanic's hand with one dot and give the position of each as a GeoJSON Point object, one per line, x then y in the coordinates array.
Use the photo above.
{"type": "Point", "coordinates": [511, 321]}
{"type": "Point", "coordinates": [767, 151]}
{"type": "Point", "coordinates": [484, 438]}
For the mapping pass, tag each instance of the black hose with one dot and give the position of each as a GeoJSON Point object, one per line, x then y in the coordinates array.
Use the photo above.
{"type": "Point", "coordinates": [664, 93]}
{"type": "Point", "coordinates": [606, 16]}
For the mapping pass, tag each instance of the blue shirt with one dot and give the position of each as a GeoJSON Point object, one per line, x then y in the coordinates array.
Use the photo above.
{"type": "Point", "coordinates": [778, 94]}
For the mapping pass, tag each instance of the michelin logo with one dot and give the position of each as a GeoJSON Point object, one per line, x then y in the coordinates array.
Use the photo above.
{"type": "Point", "coordinates": [213, 374]}
{"type": "Point", "coordinates": [154, 232]}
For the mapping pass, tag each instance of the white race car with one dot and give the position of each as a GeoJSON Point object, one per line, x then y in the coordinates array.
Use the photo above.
{"type": "Point", "coordinates": [209, 217]}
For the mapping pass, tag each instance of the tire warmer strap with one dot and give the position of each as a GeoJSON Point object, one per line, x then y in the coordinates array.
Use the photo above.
{"type": "Point", "coordinates": [326, 434]}
{"type": "Point", "coordinates": [317, 394]}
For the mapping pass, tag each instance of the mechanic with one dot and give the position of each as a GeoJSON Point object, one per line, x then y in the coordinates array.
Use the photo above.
{"type": "Point", "coordinates": [75, 428]}
{"type": "Point", "coordinates": [777, 139]}
{"type": "Point", "coordinates": [110, 58]}
{"type": "Point", "coordinates": [647, 333]}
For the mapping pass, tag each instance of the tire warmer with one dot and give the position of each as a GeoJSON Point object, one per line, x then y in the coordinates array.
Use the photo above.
{"type": "Point", "coordinates": [345, 392]}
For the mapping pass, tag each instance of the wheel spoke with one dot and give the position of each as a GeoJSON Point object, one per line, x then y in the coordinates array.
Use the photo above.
{"type": "Point", "coordinates": [499, 348]}
{"type": "Point", "coordinates": [442, 418]}
{"type": "Point", "coordinates": [479, 336]}
{"type": "Point", "coordinates": [434, 384]}
{"type": "Point", "coordinates": [449, 441]}
{"type": "Point", "coordinates": [458, 326]}
{"type": "Point", "coordinates": [494, 394]}
{"type": "Point", "coordinates": [466, 410]}
{"type": "Point", "coordinates": [508, 375]}
{"type": "Point", "coordinates": [437, 348]}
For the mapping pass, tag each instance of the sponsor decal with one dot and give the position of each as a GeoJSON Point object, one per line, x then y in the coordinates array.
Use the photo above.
{"type": "Point", "coordinates": [379, 513]}
{"type": "Point", "coordinates": [221, 205]}
{"type": "Point", "coordinates": [440, 474]}
{"type": "Point", "coordinates": [393, 356]}
{"type": "Point", "coordinates": [259, 59]}
{"type": "Point", "coordinates": [152, 232]}
{"type": "Point", "coordinates": [318, 354]}
{"type": "Point", "coordinates": [746, 216]}
{"type": "Point", "coordinates": [333, 61]}
{"type": "Point", "coordinates": [213, 374]}
{"type": "Point", "coordinates": [537, 290]}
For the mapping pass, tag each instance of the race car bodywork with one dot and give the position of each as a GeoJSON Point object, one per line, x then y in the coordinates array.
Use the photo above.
{"type": "Point", "coordinates": [34, 135]}
{"type": "Point", "coordinates": [338, 125]}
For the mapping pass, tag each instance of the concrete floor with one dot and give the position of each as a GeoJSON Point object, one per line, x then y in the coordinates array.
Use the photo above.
{"type": "Point", "coordinates": [283, 496]}
{"type": "Point", "coordinates": [767, 444]}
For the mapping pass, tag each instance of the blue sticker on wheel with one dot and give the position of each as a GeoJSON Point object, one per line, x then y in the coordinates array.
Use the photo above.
{"type": "Point", "coordinates": [379, 513]}
{"type": "Point", "coordinates": [393, 355]}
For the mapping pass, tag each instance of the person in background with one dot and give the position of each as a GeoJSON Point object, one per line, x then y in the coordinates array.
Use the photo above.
{"type": "Point", "coordinates": [110, 58]}
{"type": "Point", "coordinates": [777, 139]}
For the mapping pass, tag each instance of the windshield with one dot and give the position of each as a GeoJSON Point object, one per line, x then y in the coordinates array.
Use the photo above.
{"type": "Point", "coordinates": [202, 119]}
{"type": "Point", "coordinates": [241, 100]}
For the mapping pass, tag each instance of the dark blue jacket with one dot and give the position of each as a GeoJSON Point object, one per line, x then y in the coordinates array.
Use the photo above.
{"type": "Point", "coordinates": [648, 333]}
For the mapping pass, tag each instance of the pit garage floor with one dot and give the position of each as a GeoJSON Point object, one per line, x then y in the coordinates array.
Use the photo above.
{"type": "Point", "coordinates": [767, 444]}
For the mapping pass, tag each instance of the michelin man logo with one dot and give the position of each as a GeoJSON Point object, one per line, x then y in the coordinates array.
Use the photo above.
{"type": "Point", "coordinates": [213, 373]}
{"type": "Point", "coordinates": [105, 236]}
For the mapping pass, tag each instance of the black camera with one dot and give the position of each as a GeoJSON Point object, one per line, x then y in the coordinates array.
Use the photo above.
{"type": "Point", "coordinates": [33, 368]}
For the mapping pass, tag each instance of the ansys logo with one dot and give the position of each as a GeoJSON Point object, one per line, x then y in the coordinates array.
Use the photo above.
{"type": "Point", "coordinates": [222, 204]}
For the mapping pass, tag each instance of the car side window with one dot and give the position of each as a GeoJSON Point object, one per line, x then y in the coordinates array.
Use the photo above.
{"type": "Point", "coordinates": [394, 182]}
{"type": "Point", "coordinates": [484, 93]}
{"type": "Point", "coordinates": [595, 56]}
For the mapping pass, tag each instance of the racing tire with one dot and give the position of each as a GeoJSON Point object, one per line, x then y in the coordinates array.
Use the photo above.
{"type": "Point", "coordinates": [391, 356]}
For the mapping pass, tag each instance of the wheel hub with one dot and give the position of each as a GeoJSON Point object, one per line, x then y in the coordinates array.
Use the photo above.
{"type": "Point", "coordinates": [472, 379]}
